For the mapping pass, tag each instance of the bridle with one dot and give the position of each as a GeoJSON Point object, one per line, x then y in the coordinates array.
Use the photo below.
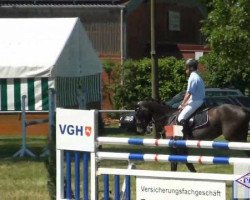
{"type": "Point", "coordinates": [153, 119]}
{"type": "Point", "coordinates": [140, 110]}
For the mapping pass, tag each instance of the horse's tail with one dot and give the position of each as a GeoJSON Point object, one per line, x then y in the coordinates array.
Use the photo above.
{"type": "Point", "coordinates": [247, 110]}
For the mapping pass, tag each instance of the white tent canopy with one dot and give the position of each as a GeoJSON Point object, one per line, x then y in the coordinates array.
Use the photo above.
{"type": "Point", "coordinates": [46, 47]}
{"type": "Point", "coordinates": [41, 53]}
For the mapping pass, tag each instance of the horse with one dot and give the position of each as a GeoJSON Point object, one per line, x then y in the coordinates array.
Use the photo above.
{"type": "Point", "coordinates": [228, 120]}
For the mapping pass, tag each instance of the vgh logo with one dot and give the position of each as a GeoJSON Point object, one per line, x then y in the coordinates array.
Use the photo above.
{"type": "Point", "coordinates": [76, 130]}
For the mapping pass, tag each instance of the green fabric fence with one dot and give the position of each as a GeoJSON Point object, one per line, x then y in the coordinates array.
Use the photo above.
{"type": "Point", "coordinates": [36, 90]}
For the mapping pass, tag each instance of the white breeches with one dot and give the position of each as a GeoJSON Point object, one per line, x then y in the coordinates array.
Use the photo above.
{"type": "Point", "coordinates": [189, 109]}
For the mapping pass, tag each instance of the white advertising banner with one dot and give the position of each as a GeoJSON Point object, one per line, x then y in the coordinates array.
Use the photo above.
{"type": "Point", "coordinates": [75, 129]}
{"type": "Point", "coordinates": [198, 55]}
{"type": "Point", "coordinates": [162, 189]}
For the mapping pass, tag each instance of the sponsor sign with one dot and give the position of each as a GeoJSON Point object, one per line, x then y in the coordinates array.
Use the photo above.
{"type": "Point", "coordinates": [162, 189]}
{"type": "Point", "coordinates": [244, 180]}
{"type": "Point", "coordinates": [75, 129]}
{"type": "Point", "coordinates": [241, 186]}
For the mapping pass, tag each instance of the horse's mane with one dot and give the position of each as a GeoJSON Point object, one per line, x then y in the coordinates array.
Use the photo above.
{"type": "Point", "coordinates": [156, 106]}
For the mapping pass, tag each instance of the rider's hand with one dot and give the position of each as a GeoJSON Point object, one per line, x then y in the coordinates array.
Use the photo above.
{"type": "Point", "coordinates": [181, 106]}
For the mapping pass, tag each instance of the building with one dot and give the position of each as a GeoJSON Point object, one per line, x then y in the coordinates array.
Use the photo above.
{"type": "Point", "coordinates": [120, 29]}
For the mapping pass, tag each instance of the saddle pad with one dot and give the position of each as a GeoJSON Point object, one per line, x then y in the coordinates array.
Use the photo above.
{"type": "Point", "coordinates": [200, 119]}
{"type": "Point", "coordinates": [172, 131]}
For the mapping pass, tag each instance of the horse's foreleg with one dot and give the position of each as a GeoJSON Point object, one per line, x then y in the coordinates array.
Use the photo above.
{"type": "Point", "coordinates": [190, 166]}
{"type": "Point", "coordinates": [174, 166]}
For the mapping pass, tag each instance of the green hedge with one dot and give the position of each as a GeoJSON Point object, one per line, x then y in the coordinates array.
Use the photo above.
{"type": "Point", "coordinates": [132, 81]}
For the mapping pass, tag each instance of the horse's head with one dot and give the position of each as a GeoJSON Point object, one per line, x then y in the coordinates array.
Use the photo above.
{"type": "Point", "coordinates": [151, 115]}
{"type": "Point", "coordinates": [143, 117]}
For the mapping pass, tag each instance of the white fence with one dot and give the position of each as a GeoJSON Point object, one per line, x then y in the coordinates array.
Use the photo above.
{"type": "Point", "coordinates": [77, 130]}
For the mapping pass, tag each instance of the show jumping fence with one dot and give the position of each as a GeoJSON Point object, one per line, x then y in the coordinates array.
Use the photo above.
{"type": "Point", "coordinates": [70, 132]}
{"type": "Point", "coordinates": [82, 97]}
{"type": "Point", "coordinates": [25, 123]}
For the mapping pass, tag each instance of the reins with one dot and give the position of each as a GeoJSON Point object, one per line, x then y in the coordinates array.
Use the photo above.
{"type": "Point", "coordinates": [158, 118]}
{"type": "Point", "coordinates": [162, 132]}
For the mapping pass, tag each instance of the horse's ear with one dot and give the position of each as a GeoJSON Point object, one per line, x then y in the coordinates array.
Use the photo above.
{"type": "Point", "coordinates": [158, 100]}
{"type": "Point", "coordinates": [137, 105]}
{"type": "Point", "coordinates": [140, 103]}
{"type": "Point", "coordinates": [152, 99]}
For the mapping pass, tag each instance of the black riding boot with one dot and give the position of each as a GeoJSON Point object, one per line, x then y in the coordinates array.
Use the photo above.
{"type": "Point", "coordinates": [186, 129]}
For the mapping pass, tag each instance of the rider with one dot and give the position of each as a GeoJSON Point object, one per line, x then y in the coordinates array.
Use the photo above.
{"type": "Point", "coordinates": [194, 96]}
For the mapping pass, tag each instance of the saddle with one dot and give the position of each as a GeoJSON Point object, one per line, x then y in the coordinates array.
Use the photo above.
{"type": "Point", "coordinates": [198, 119]}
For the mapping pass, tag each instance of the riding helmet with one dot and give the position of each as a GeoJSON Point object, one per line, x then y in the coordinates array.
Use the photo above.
{"type": "Point", "coordinates": [192, 64]}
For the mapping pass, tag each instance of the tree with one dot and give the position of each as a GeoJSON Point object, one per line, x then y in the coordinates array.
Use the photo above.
{"type": "Point", "coordinates": [137, 81]}
{"type": "Point", "coordinates": [227, 30]}
{"type": "Point", "coordinates": [109, 67]}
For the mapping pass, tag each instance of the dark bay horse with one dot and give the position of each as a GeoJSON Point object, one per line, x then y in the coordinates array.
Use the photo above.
{"type": "Point", "coordinates": [231, 121]}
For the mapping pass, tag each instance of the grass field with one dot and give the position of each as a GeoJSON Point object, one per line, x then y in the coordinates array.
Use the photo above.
{"type": "Point", "coordinates": [26, 178]}
{"type": "Point", "coordinates": [22, 178]}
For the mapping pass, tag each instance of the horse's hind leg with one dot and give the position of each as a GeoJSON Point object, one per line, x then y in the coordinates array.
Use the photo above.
{"type": "Point", "coordinates": [190, 166]}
